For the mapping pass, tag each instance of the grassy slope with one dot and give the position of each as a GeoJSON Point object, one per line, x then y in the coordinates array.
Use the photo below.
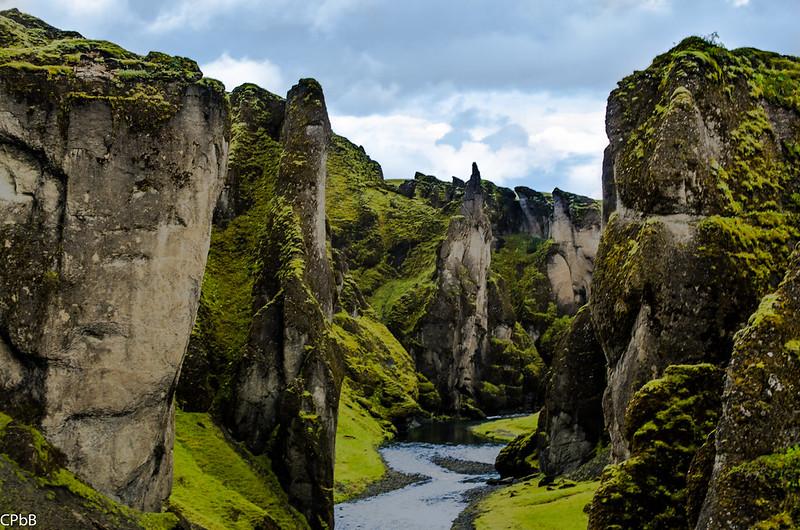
{"type": "Point", "coordinates": [528, 506]}
{"type": "Point", "coordinates": [506, 429]}
{"type": "Point", "coordinates": [358, 436]}
{"type": "Point", "coordinates": [216, 487]}
{"type": "Point", "coordinates": [371, 221]}
{"type": "Point", "coordinates": [381, 386]}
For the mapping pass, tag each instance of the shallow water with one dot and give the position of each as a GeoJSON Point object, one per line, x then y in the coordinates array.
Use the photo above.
{"type": "Point", "coordinates": [430, 505]}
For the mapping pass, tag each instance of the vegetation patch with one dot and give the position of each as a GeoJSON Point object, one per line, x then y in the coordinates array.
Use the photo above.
{"type": "Point", "coordinates": [33, 478]}
{"type": "Point", "coordinates": [506, 429]}
{"type": "Point", "coordinates": [526, 505]}
{"type": "Point", "coordinates": [219, 485]}
{"type": "Point", "coordinates": [358, 436]}
{"type": "Point", "coordinates": [667, 421]}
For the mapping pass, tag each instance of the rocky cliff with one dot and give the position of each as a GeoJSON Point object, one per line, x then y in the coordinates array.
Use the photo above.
{"type": "Point", "coordinates": [571, 426]}
{"type": "Point", "coordinates": [703, 167]}
{"type": "Point", "coordinates": [262, 357]}
{"type": "Point", "coordinates": [390, 233]}
{"type": "Point", "coordinates": [110, 165]}
{"type": "Point", "coordinates": [753, 477]}
{"type": "Point", "coordinates": [285, 391]}
{"type": "Point", "coordinates": [452, 336]}
{"type": "Point", "coordinates": [574, 227]}
{"type": "Point", "coordinates": [701, 178]}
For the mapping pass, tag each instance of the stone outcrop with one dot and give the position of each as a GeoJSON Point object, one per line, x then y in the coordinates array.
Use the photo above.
{"type": "Point", "coordinates": [667, 423]}
{"type": "Point", "coordinates": [453, 333]}
{"type": "Point", "coordinates": [571, 422]}
{"type": "Point", "coordinates": [573, 223]}
{"type": "Point", "coordinates": [701, 181]}
{"type": "Point", "coordinates": [110, 165]}
{"type": "Point", "coordinates": [702, 173]}
{"type": "Point", "coordinates": [285, 389]}
{"type": "Point", "coordinates": [757, 463]}
{"type": "Point", "coordinates": [575, 229]}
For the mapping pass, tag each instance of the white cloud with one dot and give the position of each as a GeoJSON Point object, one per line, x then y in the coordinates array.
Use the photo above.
{"type": "Point", "coordinates": [235, 71]}
{"type": "Point", "coordinates": [565, 134]}
{"type": "Point", "coordinates": [739, 3]}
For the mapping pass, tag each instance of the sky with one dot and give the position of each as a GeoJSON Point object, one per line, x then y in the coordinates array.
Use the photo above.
{"type": "Point", "coordinates": [518, 86]}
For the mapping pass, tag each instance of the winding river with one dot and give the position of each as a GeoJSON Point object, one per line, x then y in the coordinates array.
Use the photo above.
{"type": "Point", "coordinates": [435, 502]}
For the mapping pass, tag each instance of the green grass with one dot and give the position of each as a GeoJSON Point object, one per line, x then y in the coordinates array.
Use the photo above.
{"type": "Point", "coordinates": [217, 487]}
{"type": "Point", "coordinates": [358, 436]}
{"type": "Point", "coordinates": [506, 429]}
{"type": "Point", "coordinates": [528, 506]}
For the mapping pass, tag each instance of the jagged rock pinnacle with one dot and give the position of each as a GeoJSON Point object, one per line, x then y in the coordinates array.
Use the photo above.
{"type": "Point", "coordinates": [474, 185]}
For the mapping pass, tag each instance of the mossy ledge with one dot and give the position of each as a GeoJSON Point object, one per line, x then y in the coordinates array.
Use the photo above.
{"type": "Point", "coordinates": [61, 70]}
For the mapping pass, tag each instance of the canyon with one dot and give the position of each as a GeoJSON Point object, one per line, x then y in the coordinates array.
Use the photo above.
{"type": "Point", "coordinates": [215, 308]}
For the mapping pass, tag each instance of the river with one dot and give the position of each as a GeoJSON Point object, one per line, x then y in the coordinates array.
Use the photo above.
{"type": "Point", "coordinates": [433, 503]}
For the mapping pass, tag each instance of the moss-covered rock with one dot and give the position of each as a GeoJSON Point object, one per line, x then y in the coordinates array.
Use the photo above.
{"type": "Point", "coordinates": [35, 482]}
{"type": "Point", "coordinates": [667, 421]}
{"type": "Point", "coordinates": [110, 166]}
{"type": "Point", "coordinates": [571, 422]}
{"type": "Point", "coordinates": [757, 465]}
{"type": "Point", "coordinates": [703, 172]}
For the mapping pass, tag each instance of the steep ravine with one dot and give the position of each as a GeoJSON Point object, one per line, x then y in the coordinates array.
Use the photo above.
{"type": "Point", "coordinates": [215, 308]}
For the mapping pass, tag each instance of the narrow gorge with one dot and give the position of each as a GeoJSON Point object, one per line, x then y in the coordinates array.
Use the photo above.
{"type": "Point", "coordinates": [216, 312]}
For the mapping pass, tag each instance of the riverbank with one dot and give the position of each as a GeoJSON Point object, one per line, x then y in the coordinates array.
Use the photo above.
{"type": "Point", "coordinates": [507, 428]}
{"type": "Point", "coordinates": [525, 504]}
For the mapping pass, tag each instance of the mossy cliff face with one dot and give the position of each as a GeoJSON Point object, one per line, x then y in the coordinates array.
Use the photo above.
{"type": "Point", "coordinates": [667, 421]}
{"type": "Point", "coordinates": [757, 465]}
{"type": "Point", "coordinates": [284, 390]}
{"type": "Point", "coordinates": [701, 180]}
{"type": "Point", "coordinates": [110, 166]}
{"type": "Point", "coordinates": [571, 423]}
{"type": "Point", "coordinates": [389, 233]}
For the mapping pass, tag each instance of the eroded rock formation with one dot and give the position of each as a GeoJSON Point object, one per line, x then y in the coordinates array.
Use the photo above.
{"type": "Point", "coordinates": [701, 181]}
{"type": "Point", "coordinates": [110, 165]}
{"type": "Point", "coordinates": [453, 333]}
{"type": "Point", "coordinates": [757, 461]}
{"type": "Point", "coordinates": [703, 218]}
{"type": "Point", "coordinates": [575, 229]}
{"type": "Point", "coordinates": [571, 422]}
{"type": "Point", "coordinates": [285, 387]}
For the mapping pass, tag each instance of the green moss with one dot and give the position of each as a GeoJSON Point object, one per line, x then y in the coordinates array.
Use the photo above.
{"type": "Point", "coordinates": [526, 505]}
{"type": "Point", "coordinates": [225, 313]}
{"type": "Point", "coordinates": [506, 429]}
{"type": "Point", "coordinates": [389, 240]}
{"type": "Point", "coordinates": [218, 485]}
{"type": "Point", "coordinates": [358, 436]}
{"type": "Point", "coordinates": [521, 261]}
{"type": "Point", "coordinates": [698, 74]}
{"type": "Point", "coordinates": [381, 371]}
{"type": "Point", "coordinates": [520, 457]}
{"type": "Point", "coordinates": [774, 481]}
{"type": "Point", "coordinates": [41, 63]}
{"type": "Point", "coordinates": [753, 247]}
{"type": "Point", "coordinates": [667, 421]}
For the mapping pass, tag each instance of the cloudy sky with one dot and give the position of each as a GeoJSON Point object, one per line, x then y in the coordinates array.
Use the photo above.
{"type": "Point", "coordinates": [430, 85]}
